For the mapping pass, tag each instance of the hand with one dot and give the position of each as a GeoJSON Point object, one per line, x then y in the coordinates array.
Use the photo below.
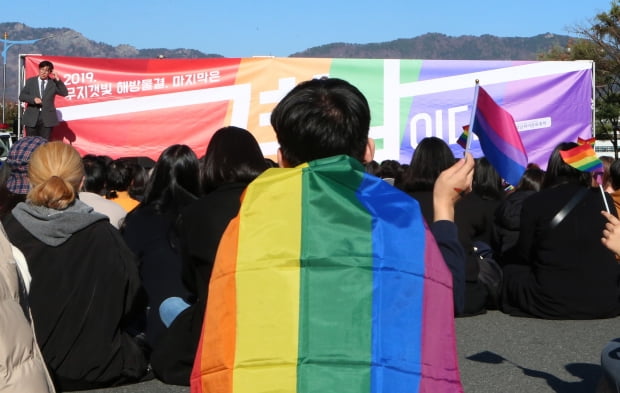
{"type": "Point", "coordinates": [37, 100]}
{"type": "Point", "coordinates": [611, 233]}
{"type": "Point", "coordinates": [54, 76]}
{"type": "Point", "coordinates": [450, 186]}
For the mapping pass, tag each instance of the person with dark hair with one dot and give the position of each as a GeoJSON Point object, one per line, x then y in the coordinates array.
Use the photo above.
{"type": "Point", "coordinates": [323, 194]}
{"type": "Point", "coordinates": [149, 230]}
{"type": "Point", "coordinates": [472, 216]}
{"type": "Point", "coordinates": [39, 93]}
{"type": "Point", "coordinates": [119, 174]}
{"type": "Point", "coordinates": [487, 181]}
{"type": "Point", "coordinates": [93, 190]}
{"type": "Point", "coordinates": [390, 171]}
{"type": "Point", "coordinates": [139, 180]}
{"type": "Point", "coordinates": [232, 160]}
{"type": "Point", "coordinates": [309, 142]}
{"type": "Point", "coordinates": [233, 156]}
{"type": "Point", "coordinates": [559, 269]}
{"type": "Point", "coordinates": [614, 182]}
{"type": "Point", "coordinates": [508, 213]}
{"type": "Point", "coordinates": [372, 167]}
{"type": "Point", "coordinates": [431, 157]}
{"type": "Point", "coordinates": [271, 163]}
{"type": "Point", "coordinates": [85, 285]}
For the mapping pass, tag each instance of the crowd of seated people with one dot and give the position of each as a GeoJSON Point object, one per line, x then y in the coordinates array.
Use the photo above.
{"type": "Point", "coordinates": [120, 255]}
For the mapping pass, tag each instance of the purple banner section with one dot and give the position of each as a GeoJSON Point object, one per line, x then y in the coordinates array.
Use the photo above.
{"type": "Point", "coordinates": [548, 109]}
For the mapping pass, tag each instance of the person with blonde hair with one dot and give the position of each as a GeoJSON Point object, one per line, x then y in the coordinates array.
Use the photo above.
{"type": "Point", "coordinates": [85, 284]}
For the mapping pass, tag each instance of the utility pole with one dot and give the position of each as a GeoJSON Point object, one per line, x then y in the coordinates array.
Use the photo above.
{"type": "Point", "coordinates": [7, 45]}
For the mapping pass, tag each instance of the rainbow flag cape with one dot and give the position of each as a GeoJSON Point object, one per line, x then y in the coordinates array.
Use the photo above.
{"type": "Point", "coordinates": [582, 157]}
{"type": "Point", "coordinates": [499, 138]}
{"type": "Point", "coordinates": [328, 280]}
{"type": "Point", "coordinates": [462, 141]}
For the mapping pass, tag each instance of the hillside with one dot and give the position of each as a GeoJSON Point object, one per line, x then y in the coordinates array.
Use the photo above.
{"type": "Point", "coordinates": [68, 42]}
{"type": "Point", "coordinates": [442, 47]}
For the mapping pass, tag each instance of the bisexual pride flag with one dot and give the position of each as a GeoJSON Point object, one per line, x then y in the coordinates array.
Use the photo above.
{"type": "Point", "coordinates": [328, 280]}
{"type": "Point", "coordinates": [499, 138]}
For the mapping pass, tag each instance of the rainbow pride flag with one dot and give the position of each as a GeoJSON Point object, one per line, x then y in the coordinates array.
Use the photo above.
{"type": "Point", "coordinates": [582, 157]}
{"type": "Point", "coordinates": [589, 141]}
{"type": "Point", "coordinates": [499, 138]}
{"type": "Point", "coordinates": [462, 141]}
{"type": "Point", "coordinates": [328, 280]}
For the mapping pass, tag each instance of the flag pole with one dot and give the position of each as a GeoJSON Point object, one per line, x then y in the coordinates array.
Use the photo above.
{"type": "Point", "coordinates": [472, 118]}
{"type": "Point", "coordinates": [600, 186]}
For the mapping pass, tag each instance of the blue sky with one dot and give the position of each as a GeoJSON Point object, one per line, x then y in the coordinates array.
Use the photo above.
{"type": "Point", "coordinates": [279, 28]}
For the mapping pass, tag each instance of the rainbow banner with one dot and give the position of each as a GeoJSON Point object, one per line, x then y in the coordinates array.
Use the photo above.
{"type": "Point", "coordinates": [583, 158]}
{"type": "Point", "coordinates": [312, 290]}
{"type": "Point", "coordinates": [139, 107]}
{"type": "Point", "coordinates": [499, 138]}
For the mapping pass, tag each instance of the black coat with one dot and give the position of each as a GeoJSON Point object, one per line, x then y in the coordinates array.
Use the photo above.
{"type": "Point", "coordinates": [473, 217]}
{"type": "Point", "coordinates": [83, 293]}
{"type": "Point", "coordinates": [564, 272]}
{"type": "Point", "coordinates": [508, 221]}
{"type": "Point", "coordinates": [151, 236]}
{"type": "Point", "coordinates": [200, 228]}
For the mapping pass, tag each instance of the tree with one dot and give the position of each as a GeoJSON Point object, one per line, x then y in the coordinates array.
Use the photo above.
{"type": "Point", "coordinates": [600, 42]}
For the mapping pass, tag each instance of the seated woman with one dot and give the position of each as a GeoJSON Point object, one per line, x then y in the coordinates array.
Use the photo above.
{"type": "Point", "coordinates": [232, 160]}
{"type": "Point", "coordinates": [85, 285]}
{"type": "Point", "coordinates": [150, 233]}
{"type": "Point", "coordinates": [559, 269]}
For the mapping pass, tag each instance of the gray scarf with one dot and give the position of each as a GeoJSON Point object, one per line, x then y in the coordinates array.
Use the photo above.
{"type": "Point", "coordinates": [54, 227]}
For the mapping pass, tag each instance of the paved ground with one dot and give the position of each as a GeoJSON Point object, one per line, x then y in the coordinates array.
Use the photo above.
{"type": "Point", "coordinates": [499, 353]}
{"type": "Point", "coordinates": [503, 354]}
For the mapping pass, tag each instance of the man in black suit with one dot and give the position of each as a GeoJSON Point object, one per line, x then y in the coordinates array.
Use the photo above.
{"type": "Point", "coordinates": [39, 92]}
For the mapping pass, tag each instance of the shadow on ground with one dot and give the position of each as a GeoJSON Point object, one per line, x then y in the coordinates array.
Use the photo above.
{"type": "Point", "coordinates": [590, 374]}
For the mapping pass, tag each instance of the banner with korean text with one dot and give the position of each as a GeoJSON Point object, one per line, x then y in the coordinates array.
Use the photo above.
{"type": "Point", "coordinates": [138, 107]}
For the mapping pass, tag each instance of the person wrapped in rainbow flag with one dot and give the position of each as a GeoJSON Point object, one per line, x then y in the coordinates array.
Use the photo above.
{"type": "Point", "coordinates": [329, 279]}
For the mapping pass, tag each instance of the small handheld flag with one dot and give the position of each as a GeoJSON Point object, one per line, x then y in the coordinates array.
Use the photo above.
{"type": "Point", "coordinates": [589, 141]}
{"type": "Point", "coordinates": [583, 158]}
{"type": "Point", "coordinates": [500, 140]}
{"type": "Point", "coordinates": [462, 141]}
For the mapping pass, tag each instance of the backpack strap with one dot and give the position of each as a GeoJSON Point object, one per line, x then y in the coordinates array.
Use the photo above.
{"type": "Point", "coordinates": [570, 205]}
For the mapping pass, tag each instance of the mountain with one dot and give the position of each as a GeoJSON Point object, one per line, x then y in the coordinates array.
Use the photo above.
{"type": "Point", "coordinates": [68, 42]}
{"type": "Point", "coordinates": [442, 47]}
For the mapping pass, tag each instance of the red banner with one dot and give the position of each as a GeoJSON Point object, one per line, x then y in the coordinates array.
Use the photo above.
{"type": "Point", "coordinates": [128, 107]}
